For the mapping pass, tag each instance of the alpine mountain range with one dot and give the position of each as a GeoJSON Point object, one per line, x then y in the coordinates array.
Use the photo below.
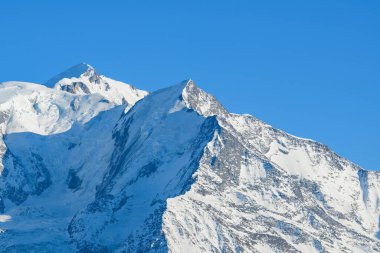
{"type": "Point", "coordinates": [90, 164]}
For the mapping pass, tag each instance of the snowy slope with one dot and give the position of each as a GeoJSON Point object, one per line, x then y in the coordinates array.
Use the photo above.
{"type": "Point", "coordinates": [28, 107]}
{"type": "Point", "coordinates": [175, 173]}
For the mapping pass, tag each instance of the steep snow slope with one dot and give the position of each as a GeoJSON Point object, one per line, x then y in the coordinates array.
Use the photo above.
{"type": "Point", "coordinates": [179, 173]}
{"type": "Point", "coordinates": [47, 179]}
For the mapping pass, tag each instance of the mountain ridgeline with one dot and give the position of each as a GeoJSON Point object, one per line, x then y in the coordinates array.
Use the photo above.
{"type": "Point", "coordinates": [90, 164]}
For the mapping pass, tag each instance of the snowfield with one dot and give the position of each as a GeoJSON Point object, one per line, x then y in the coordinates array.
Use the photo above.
{"type": "Point", "coordinates": [90, 164]}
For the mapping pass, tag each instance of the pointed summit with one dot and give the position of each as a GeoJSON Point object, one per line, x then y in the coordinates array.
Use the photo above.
{"type": "Point", "coordinates": [188, 94]}
{"type": "Point", "coordinates": [201, 101]}
{"type": "Point", "coordinates": [73, 72]}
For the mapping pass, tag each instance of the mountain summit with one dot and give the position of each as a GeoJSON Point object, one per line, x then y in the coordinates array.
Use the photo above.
{"type": "Point", "coordinates": [73, 72]}
{"type": "Point", "coordinates": [174, 172]}
{"type": "Point", "coordinates": [83, 79]}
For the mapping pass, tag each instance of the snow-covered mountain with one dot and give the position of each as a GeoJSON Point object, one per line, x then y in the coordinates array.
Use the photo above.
{"type": "Point", "coordinates": [86, 169]}
{"type": "Point", "coordinates": [29, 107]}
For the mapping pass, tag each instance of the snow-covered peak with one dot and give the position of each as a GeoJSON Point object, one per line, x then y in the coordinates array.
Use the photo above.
{"type": "Point", "coordinates": [74, 72]}
{"type": "Point", "coordinates": [83, 79]}
{"type": "Point", "coordinates": [202, 102]}
{"type": "Point", "coordinates": [187, 94]}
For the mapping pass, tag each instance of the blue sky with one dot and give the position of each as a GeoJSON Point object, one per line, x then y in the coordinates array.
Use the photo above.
{"type": "Point", "coordinates": [308, 67]}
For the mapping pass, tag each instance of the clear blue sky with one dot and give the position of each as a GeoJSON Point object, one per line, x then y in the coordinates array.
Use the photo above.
{"type": "Point", "coordinates": [311, 68]}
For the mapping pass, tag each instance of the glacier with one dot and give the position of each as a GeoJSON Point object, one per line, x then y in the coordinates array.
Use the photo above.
{"type": "Point", "coordinates": [90, 164]}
